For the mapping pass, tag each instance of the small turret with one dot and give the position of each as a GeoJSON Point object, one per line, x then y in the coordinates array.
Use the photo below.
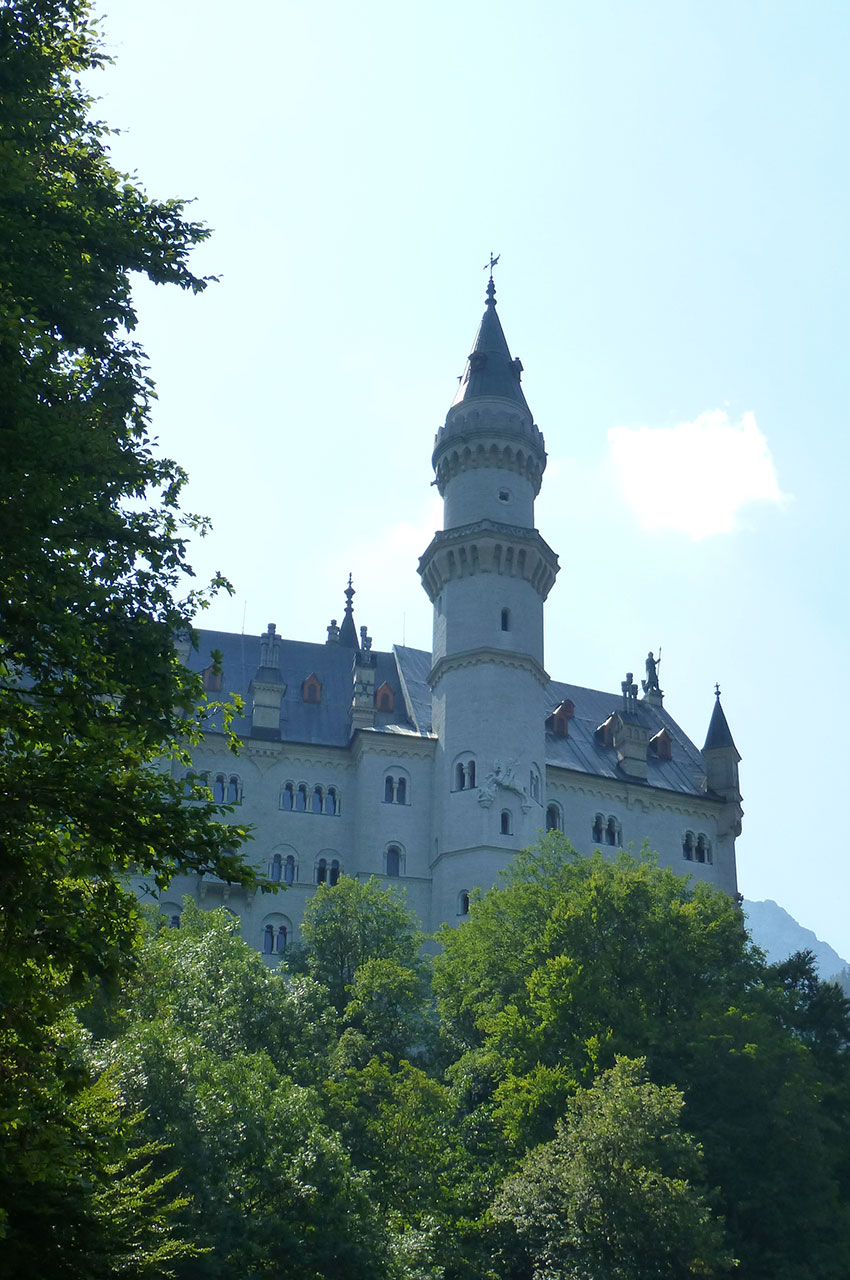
{"type": "Point", "coordinates": [720, 754]}
{"type": "Point", "coordinates": [363, 701]}
{"type": "Point", "coordinates": [267, 688]}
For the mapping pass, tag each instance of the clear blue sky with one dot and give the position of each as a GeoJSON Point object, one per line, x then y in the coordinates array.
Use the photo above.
{"type": "Point", "coordinates": [667, 184]}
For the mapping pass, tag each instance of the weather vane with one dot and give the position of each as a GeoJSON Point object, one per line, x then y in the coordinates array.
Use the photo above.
{"type": "Point", "coordinates": [488, 266]}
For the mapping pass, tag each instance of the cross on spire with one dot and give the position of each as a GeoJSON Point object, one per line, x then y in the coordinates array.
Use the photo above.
{"type": "Point", "coordinates": [488, 266]}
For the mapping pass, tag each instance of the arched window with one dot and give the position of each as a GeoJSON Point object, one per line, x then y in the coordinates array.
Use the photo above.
{"type": "Point", "coordinates": [333, 874]}
{"type": "Point", "coordinates": [287, 797]}
{"type": "Point", "coordinates": [688, 846]}
{"type": "Point", "coordinates": [463, 904]}
{"type": "Point", "coordinates": [268, 940]}
{"type": "Point", "coordinates": [393, 860]}
{"type": "Point", "coordinates": [219, 788]}
{"type": "Point", "coordinates": [175, 922]}
{"type": "Point", "coordinates": [322, 871]}
{"type": "Point", "coordinates": [505, 822]}
{"type": "Point", "coordinates": [289, 870]}
{"type": "Point", "coordinates": [317, 799]}
{"type": "Point", "coordinates": [553, 818]}
{"type": "Point", "coordinates": [598, 828]}
{"type": "Point", "coordinates": [233, 790]}
{"type": "Point", "coordinates": [389, 790]}
{"type": "Point", "coordinates": [401, 791]}
{"type": "Point", "coordinates": [280, 940]}
{"type": "Point", "coordinates": [276, 867]}
{"type": "Point", "coordinates": [613, 834]}
{"type": "Point", "coordinates": [330, 801]}
{"type": "Point", "coordinates": [188, 784]}
{"type": "Point", "coordinates": [703, 849]}
{"type": "Point", "coordinates": [464, 775]}
{"type": "Point", "coordinates": [506, 619]}
{"type": "Point", "coordinates": [534, 784]}
{"type": "Point", "coordinates": [301, 799]}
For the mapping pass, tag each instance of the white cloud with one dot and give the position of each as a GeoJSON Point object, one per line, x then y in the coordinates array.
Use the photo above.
{"type": "Point", "coordinates": [694, 477]}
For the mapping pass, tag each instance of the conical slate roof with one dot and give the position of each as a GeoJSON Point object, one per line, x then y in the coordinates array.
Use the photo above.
{"type": "Point", "coordinates": [490, 371]}
{"type": "Point", "coordinates": [719, 735]}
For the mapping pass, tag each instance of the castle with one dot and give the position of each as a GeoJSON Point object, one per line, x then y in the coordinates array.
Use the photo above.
{"type": "Point", "coordinates": [431, 770]}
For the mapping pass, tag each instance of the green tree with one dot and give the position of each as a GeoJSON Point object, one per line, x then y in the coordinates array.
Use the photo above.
{"type": "Point", "coordinates": [579, 960]}
{"type": "Point", "coordinates": [617, 1194]}
{"type": "Point", "coordinates": [225, 1060]}
{"type": "Point", "coordinates": [353, 922]}
{"type": "Point", "coordinates": [92, 695]}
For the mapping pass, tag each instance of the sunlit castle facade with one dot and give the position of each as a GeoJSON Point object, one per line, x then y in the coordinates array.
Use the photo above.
{"type": "Point", "coordinates": [431, 770]}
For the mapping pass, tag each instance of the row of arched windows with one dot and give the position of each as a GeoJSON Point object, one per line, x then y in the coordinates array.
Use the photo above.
{"type": "Point", "coordinates": [304, 799]}
{"type": "Point", "coordinates": [226, 788]}
{"type": "Point", "coordinates": [607, 830]}
{"type": "Point", "coordinates": [328, 871]}
{"type": "Point", "coordinates": [696, 848]}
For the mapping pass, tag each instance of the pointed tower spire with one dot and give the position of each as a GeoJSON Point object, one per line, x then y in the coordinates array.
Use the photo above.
{"type": "Point", "coordinates": [348, 631]}
{"type": "Point", "coordinates": [719, 737]}
{"type": "Point", "coordinates": [490, 371]}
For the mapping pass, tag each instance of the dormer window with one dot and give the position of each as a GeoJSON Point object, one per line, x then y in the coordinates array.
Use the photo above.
{"type": "Point", "coordinates": [311, 689]}
{"type": "Point", "coordinates": [211, 678]}
{"type": "Point", "coordinates": [559, 721]}
{"type": "Point", "coordinates": [661, 746]}
{"type": "Point", "coordinates": [384, 698]}
{"type": "Point", "coordinates": [605, 732]}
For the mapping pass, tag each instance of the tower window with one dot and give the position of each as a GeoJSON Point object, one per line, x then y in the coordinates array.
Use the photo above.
{"type": "Point", "coordinates": [505, 823]}
{"type": "Point", "coordinates": [393, 860]}
{"type": "Point", "coordinates": [401, 791]}
{"type": "Point", "coordinates": [287, 797]}
{"type": "Point", "coordinates": [331, 802]}
{"type": "Point", "coordinates": [504, 496]}
{"type": "Point", "coordinates": [280, 940]}
{"type": "Point", "coordinates": [317, 799]}
{"type": "Point", "coordinates": [688, 846]}
{"type": "Point", "coordinates": [301, 799]}
{"type": "Point", "coordinates": [553, 818]}
{"type": "Point", "coordinates": [322, 871]}
{"type": "Point", "coordinates": [233, 791]}
{"type": "Point", "coordinates": [389, 790]}
{"type": "Point", "coordinates": [333, 874]}
{"type": "Point", "coordinates": [289, 870]}
{"type": "Point", "coordinates": [506, 619]}
{"type": "Point", "coordinates": [598, 828]}
{"type": "Point", "coordinates": [463, 904]}
{"type": "Point", "coordinates": [268, 940]}
{"type": "Point", "coordinates": [219, 789]}
{"type": "Point", "coordinates": [276, 867]}
{"type": "Point", "coordinates": [464, 775]}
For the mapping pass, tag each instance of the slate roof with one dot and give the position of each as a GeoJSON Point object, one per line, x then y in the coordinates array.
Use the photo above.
{"type": "Point", "coordinates": [406, 671]}
{"type": "Point", "coordinates": [490, 371]}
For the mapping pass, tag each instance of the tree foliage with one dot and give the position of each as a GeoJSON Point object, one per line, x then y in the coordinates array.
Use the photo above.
{"type": "Point", "coordinates": [92, 694]}
{"type": "Point", "coordinates": [616, 1195]}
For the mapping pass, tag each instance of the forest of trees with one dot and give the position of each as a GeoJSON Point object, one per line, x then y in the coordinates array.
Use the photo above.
{"type": "Point", "coordinates": [596, 1077]}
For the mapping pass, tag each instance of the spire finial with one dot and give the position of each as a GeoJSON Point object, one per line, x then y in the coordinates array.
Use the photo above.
{"type": "Point", "coordinates": [349, 596]}
{"type": "Point", "coordinates": [717, 692]}
{"type": "Point", "coordinates": [491, 288]}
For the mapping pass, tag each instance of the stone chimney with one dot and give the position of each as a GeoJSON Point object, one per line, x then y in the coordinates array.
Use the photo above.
{"type": "Point", "coordinates": [267, 688]}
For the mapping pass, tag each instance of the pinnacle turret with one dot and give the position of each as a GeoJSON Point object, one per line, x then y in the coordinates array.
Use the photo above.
{"type": "Point", "coordinates": [348, 631]}
{"type": "Point", "coordinates": [719, 736]}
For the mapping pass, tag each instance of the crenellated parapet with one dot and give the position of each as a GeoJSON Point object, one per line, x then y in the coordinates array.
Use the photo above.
{"type": "Point", "coordinates": [487, 546]}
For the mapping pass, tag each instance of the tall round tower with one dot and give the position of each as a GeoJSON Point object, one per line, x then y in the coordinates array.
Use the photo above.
{"type": "Point", "coordinates": [487, 574]}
